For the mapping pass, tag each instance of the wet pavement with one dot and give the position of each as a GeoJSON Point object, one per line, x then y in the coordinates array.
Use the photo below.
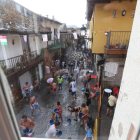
{"type": "Point", "coordinates": [105, 123]}
{"type": "Point", "coordinates": [47, 102]}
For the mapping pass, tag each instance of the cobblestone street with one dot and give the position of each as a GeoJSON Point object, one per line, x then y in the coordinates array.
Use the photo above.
{"type": "Point", "coordinates": [47, 102]}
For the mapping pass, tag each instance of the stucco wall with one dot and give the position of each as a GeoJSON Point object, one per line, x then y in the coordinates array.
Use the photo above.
{"type": "Point", "coordinates": [128, 105]}
{"type": "Point", "coordinates": [52, 26]}
{"type": "Point", "coordinates": [103, 21]}
{"type": "Point", "coordinates": [117, 79]}
{"type": "Point", "coordinates": [32, 43]}
{"type": "Point", "coordinates": [11, 50]}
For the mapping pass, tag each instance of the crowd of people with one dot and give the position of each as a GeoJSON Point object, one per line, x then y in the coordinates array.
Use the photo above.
{"type": "Point", "coordinates": [68, 69]}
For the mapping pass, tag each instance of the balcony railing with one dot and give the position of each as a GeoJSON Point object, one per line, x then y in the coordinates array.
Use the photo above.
{"type": "Point", "coordinates": [55, 44]}
{"type": "Point", "coordinates": [117, 41]}
{"type": "Point", "coordinates": [20, 62]}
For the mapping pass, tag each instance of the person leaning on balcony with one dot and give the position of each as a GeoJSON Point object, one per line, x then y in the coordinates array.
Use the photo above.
{"type": "Point", "coordinates": [27, 125]}
{"type": "Point", "coordinates": [111, 103]}
{"type": "Point", "coordinates": [26, 88]}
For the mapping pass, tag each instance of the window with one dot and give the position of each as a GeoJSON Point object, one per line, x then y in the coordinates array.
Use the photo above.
{"type": "Point", "coordinates": [49, 36]}
{"type": "Point", "coordinates": [18, 8]}
{"type": "Point", "coordinates": [25, 12]}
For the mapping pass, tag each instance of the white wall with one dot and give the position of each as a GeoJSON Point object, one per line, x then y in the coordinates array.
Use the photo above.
{"type": "Point", "coordinates": [23, 79]}
{"type": "Point", "coordinates": [40, 71]}
{"type": "Point", "coordinates": [11, 50]}
{"type": "Point", "coordinates": [128, 104]}
{"type": "Point", "coordinates": [32, 43]}
{"type": "Point", "coordinates": [41, 43]}
{"type": "Point", "coordinates": [52, 25]}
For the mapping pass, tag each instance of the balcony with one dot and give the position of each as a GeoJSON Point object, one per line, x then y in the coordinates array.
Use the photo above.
{"type": "Point", "coordinates": [22, 63]}
{"type": "Point", "coordinates": [55, 44]}
{"type": "Point", "coordinates": [117, 42]}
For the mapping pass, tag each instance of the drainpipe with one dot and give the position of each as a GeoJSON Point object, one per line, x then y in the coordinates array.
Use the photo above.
{"type": "Point", "coordinates": [108, 43]}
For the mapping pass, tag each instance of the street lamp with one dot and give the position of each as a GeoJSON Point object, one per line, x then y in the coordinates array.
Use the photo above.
{"type": "Point", "coordinates": [83, 30]}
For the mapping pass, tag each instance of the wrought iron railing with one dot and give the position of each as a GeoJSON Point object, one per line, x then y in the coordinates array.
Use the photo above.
{"type": "Point", "coordinates": [118, 39]}
{"type": "Point", "coordinates": [20, 62]}
{"type": "Point", "coordinates": [55, 44]}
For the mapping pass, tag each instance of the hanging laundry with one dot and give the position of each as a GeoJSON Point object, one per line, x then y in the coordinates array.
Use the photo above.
{"type": "Point", "coordinates": [111, 67]}
{"type": "Point", "coordinates": [3, 40]}
{"type": "Point", "coordinates": [75, 35]}
{"type": "Point", "coordinates": [25, 38]}
{"type": "Point", "coordinates": [45, 37]}
{"type": "Point", "coordinates": [58, 36]}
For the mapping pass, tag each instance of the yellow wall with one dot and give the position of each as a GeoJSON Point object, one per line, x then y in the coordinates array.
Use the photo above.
{"type": "Point", "coordinates": [103, 21]}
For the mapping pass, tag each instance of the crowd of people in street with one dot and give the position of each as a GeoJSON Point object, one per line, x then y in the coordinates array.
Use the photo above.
{"type": "Point", "coordinates": [69, 69]}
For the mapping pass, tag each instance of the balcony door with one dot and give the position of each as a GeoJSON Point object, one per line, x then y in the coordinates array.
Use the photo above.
{"type": "Point", "coordinates": [25, 45]}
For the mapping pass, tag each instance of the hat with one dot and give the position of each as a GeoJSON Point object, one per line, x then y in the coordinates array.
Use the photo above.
{"type": "Point", "coordinates": [97, 84]}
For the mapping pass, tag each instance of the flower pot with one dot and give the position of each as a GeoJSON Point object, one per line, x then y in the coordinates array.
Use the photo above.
{"type": "Point", "coordinates": [116, 47]}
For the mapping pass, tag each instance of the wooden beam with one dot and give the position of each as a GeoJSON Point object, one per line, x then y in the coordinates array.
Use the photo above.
{"type": "Point", "coordinates": [120, 1]}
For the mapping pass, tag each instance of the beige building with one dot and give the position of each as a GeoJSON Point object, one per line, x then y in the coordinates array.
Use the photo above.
{"type": "Point", "coordinates": [24, 61]}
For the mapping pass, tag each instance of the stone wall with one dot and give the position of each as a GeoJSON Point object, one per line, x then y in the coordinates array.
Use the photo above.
{"type": "Point", "coordinates": [16, 18]}
{"type": "Point", "coordinates": [117, 79]}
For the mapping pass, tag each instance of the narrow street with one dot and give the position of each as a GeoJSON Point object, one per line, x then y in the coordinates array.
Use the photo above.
{"type": "Point", "coordinates": [47, 102]}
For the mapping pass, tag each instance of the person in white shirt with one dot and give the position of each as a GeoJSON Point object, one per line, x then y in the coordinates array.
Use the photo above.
{"type": "Point", "coordinates": [47, 70]}
{"type": "Point", "coordinates": [51, 133]}
{"type": "Point", "coordinates": [76, 71]}
{"type": "Point", "coordinates": [49, 83]}
{"type": "Point", "coordinates": [72, 86]}
{"type": "Point", "coordinates": [63, 64]}
{"type": "Point", "coordinates": [112, 100]}
{"type": "Point", "coordinates": [57, 62]}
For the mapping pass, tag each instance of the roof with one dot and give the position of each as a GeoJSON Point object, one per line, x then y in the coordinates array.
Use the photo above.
{"type": "Point", "coordinates": [90, 6]}
{"type": "Point", "coordinates": [73, 26]}
{"type": "Point", "coordinates": [63, 28]}
{"type": "Point", "coordinates": [18, 19]}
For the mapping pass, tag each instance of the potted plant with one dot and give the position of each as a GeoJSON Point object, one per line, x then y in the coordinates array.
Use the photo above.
{"type": "Point", "coordinates": [117, 45]}
{"type": "Point", "coordinates": [105, 46]}
{"type": "Point", "coordinates": [122, 46]}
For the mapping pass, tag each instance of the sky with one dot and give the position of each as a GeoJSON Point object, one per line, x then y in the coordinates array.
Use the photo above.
{"type": "Point", "coordinates": [71, 12]}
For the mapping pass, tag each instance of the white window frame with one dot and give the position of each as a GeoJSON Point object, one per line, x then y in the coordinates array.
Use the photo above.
{"type": "Point", "coordinates": [18, 8]}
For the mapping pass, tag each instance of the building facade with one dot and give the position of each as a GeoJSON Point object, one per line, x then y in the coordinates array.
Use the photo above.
{"type": "Point", "coordinates": [26, 55]}
{"type": "Point", "coordinates": [110, 27]}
